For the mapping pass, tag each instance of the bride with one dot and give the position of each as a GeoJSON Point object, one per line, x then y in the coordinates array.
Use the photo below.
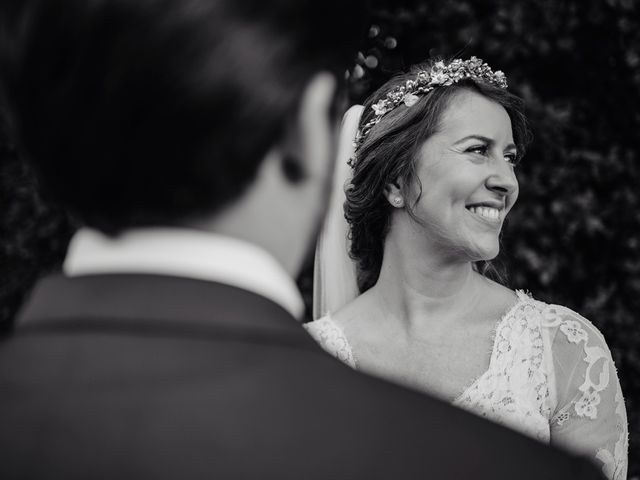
{"type": "Point", "coordinates": [400, 287]}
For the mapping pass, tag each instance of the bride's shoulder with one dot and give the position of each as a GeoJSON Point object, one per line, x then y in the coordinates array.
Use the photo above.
{"type": "Point", "coordinates": [333, 330]}
{"type": "Point", "coordinates": [568, 329]}
{"type": "Point", "coordinates": [496, 299]}
{"type": "Point", "coordinates": [321, 326]}
{"type": "Point", "coordinates": [522, 314]}
{"type": "Point", "coordinates": [330, 336]}
{"type": "Point", "coordinates": [552, 315]}
{"type": "Point", "coordinates": [356, 313]}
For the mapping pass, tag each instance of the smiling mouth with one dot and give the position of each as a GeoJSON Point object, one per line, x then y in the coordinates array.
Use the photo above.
{"type": "Point", "coordinates": [490, 214]}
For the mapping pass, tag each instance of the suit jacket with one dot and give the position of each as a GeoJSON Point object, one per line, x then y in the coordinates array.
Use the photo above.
{"type": "Point", "coordinates": [143, 376]}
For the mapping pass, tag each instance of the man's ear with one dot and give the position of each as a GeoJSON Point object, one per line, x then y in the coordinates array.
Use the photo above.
{"type": "Point", "coordinates": [307, 149]}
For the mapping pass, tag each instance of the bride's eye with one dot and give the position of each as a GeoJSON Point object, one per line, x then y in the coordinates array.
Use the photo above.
{"type": "Point", "coordinates": [479, 149]}
{"type": "Point", "coordinates": [512, 158]}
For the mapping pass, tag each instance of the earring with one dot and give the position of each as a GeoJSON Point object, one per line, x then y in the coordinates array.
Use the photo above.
{"type": "Point", "coordinates": [292, 168]}
{"type": "Point", "coordinates": [397, 201]}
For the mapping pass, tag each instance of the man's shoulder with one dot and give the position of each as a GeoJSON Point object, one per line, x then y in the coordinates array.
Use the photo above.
{"type": "Point", "coordinates": [240, 408]}
{"type": "Point", "coordinates": [235, 386]}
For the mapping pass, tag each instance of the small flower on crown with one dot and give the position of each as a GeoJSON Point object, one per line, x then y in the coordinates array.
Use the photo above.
{"type": "Point", "coordinates": [381, 107]}
{"type": "Point", "coordinates": [439, 75]}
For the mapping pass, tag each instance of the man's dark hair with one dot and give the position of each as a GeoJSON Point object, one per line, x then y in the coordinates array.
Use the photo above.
{"type": "Point", "coordinates": [141, 112]}
{"type": "Point", "coordinates": [389, 153]}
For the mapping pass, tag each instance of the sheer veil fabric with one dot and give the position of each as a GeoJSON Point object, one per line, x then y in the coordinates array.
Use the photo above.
{"type": "Point", "coordinates": [335, 282]}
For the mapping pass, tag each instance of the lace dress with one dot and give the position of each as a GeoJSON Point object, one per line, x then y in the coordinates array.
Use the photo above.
{"type": "Point", "coordinates": [550, 376]}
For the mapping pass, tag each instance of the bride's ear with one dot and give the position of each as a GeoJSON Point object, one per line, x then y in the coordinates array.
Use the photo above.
{"type": "Point", "coordinates": [394, 195]}
{"type": "Point", "coordinates": [307, 148]}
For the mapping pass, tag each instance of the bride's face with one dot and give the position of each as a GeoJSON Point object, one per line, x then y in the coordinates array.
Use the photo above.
{"type": "Point", "coordinates": [468, 181]}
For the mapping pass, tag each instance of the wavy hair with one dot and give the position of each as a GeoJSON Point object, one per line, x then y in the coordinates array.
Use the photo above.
{"type": "Point", "coordinates": [388, 154]}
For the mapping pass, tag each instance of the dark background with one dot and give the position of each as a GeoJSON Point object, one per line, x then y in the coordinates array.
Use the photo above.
{"type": "Point", "coordinates": [573, 238]}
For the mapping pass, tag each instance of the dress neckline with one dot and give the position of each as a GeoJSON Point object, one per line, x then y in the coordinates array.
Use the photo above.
{"type": "Point", "coordinates": [522, 298]}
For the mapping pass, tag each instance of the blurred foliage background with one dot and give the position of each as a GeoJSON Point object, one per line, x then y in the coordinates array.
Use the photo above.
{"type": "Point", "coordinates": [573, 237]}
{"type": "Point", "coordinates": [34, 233]}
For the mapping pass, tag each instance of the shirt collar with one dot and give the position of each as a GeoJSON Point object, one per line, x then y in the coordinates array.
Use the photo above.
{"type": "Point", "coordinates": [184, 253]}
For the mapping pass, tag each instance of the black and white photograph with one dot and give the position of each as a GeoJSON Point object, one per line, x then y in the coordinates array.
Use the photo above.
{"type": "Point", "coordinates": [293, 239]}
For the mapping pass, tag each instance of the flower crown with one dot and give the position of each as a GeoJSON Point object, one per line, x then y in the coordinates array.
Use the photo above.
{"type": "Point", "coordinates": [439, 75]}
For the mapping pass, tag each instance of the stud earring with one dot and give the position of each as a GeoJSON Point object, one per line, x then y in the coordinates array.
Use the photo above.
{"type": "Point", "coordinates": [397, 201]}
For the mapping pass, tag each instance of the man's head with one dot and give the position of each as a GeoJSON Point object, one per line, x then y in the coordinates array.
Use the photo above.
{"type": "Point", "coordinates": [156, 112]}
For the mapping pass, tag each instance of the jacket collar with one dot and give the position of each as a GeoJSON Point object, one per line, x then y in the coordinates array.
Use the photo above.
{"type": "Point", "coordinates": [155, 304]}
{"type": "Point", "coordinates": [183, 252]}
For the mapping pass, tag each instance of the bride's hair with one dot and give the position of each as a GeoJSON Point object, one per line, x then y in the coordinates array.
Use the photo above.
{"type": "Point", "coordinates": [388, 154]}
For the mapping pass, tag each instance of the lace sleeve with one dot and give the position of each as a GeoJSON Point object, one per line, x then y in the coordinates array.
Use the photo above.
{"type": "Point", "coordinates": [590, 416]}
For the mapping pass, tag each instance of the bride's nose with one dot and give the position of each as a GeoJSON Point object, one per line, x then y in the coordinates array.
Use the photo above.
{"type": "Point", "coordinates": [502, 179]}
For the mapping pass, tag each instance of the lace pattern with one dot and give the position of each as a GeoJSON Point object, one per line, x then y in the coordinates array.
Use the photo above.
{"type": "Point", "coordinates": [332, 339]}
{"type": "Point", "coordinates": [614, 465]}
{"type": "Point", "coordinates": [514, 390]}
{"type": "Point", "coordinates": [535, 346]}
{"type": "Point", "coordinates": [598, 374]}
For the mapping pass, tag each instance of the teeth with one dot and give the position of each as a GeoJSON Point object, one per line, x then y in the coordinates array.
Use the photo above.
{"type": "Point", "coordinates": [487, 212]}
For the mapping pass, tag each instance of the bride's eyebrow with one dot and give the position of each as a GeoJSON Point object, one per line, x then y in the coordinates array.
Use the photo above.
{"type": "Point", "coordinates": [487, 140]}
{"type": "Point", "coordinates": [475, 137]}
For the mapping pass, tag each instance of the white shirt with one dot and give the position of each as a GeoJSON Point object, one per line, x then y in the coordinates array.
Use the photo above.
{"type": "Point", "coordinates": [184, 253]}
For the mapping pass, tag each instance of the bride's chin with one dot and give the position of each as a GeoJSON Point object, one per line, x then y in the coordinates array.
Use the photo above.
{"type": "Point", "coordinates": [483, 253]}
